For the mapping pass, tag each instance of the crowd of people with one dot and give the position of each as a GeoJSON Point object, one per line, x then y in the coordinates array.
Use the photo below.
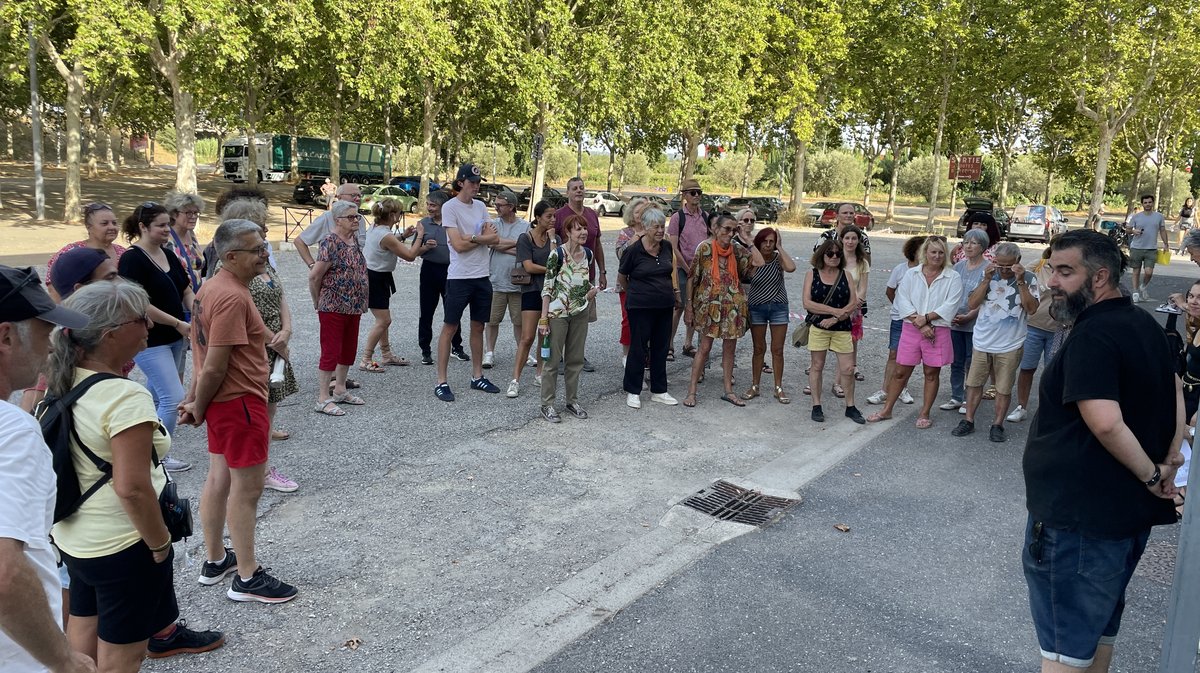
{"type": "Point", "coordinates": [974, 307]}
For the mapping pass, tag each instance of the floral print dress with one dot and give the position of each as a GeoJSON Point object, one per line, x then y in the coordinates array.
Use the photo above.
{"type": "Point", "coordinates": [719, 306]}
{"type": "Point", "coordinates": [344, 287]}
{"type": "Point", "coordinates": [268, 299]}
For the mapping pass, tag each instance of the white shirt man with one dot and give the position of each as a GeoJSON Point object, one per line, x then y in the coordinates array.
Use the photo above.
{"type": "Point", "coordinates": [316, 232]}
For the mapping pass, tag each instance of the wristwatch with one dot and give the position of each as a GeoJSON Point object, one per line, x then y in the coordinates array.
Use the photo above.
{"type": "Point", "coordinates": [472, 238]}
{"type": "Point", "coordinates": [1152, 481]}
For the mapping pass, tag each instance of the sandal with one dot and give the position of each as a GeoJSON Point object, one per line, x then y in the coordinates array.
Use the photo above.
{"type": "Point", "coordinates": [733, 399]}
{"type": "Point", "coordinates": [808, 390]}
{"type": "Point", "coordinates": [751, 393]}
{"type": "Point", "coordinates": [391, 359]}
{"type": "Point", "coordinates": [670, 355]}
{"type": "Point", "coordinates": [351, 384]}
{"type": "Point", "coordinates": [329, 408]}
{"type": "Point", "coordinates": [767, 369]}
{"type": "Point", "coordinates": [876, 417]}
{"type": "Point", "coordinates": [924, 424]}
{"type": "Point", "coordinates": [347, 398]}
{"type": "Point", "coordinates": [280, 435]}
{"type": "Point", "coordinates": [689, 350]}
{"type": "Point", "coordinates": [370, 366]}
{"type": "Point", "coordinates": [690, 400]}
{"type": "Point", "coordinates": [858, 376]}
{"type": "Point", "coordinates": [838, 391]}
{"type": "Point", "coordinates": [989, 394]}
{"type": "Point", "coordinates": [781, 396]}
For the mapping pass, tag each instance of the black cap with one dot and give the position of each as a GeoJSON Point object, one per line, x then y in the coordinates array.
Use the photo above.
{"type": "Point", "coordinates": [468, 172]}
{"type": "Point", "coordinates": [22, 297]}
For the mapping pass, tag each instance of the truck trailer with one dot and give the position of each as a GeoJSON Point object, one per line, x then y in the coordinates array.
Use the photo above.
{"type": "Point", "coordinates": [363, 163]}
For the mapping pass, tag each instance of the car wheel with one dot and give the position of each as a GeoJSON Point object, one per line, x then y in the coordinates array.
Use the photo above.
{"type": "Point", "coordinates": [412, 208]}
{"type": "Point", "coordinates": [601, 212]}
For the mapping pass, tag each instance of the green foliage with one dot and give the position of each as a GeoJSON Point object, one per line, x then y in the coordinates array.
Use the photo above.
{"type": "Point", "coordinates": [915, 176]}
{"type": "Point", "coordinates": [481, 154]}
{"type": "Point", "coordinates": [834, 172]}
{"type": "Point", "coordinates": [206, 150]}
{"type": "Point", "coordinates": [728, 170]}
{"type": "Point", "coordinates": [560, 163]}
{"type": "Point", "coordinates": [637, 169]}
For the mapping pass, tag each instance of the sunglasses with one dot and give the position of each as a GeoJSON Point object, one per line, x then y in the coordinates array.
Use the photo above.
{"type": "Point", "coordinates": [143, 318]}
{"type": "Point", "coordinates": [692, 192]}
{"type": "Point", "coordinates": [834, 254]}
{"type": "Point", "coordinates": [95, 206]}
{"type": "Point", "coordinates": [149, 205]}
{"type": "Point", "coordinates": [748, 220]}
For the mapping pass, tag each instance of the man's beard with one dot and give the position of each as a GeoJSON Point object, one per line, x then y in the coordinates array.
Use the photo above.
{"type": "Point", "coordinates": [1066, 307]}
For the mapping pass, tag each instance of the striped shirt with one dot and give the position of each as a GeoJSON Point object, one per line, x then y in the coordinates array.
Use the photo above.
{"type": "Point", "coordinates": [766, 286]}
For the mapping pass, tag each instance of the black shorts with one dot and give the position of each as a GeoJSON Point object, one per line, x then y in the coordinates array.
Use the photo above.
{"type": "Point", "coordinates": [381, 285]}
{"type": "Point", "coordinates": [464, 292]}
{"type": "Point", "coordinates": [131, 596]}
{"type": "Point", "coordinates": [531, 301]}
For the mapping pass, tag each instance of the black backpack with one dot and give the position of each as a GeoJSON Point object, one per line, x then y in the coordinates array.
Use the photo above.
{"type": "Point", "coordinates": [707, 217]}
{"type": "Point", "coordinates": [58, 429]}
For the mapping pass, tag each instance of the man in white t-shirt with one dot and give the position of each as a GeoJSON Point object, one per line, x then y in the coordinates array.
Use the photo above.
{"type": "Point", "coordinates": [469, 232]}
{"type": "Point", "coordinates": [316, 232]}
{"type": "Point", "coordinates": [31, 637]}
{"type": "Point", "coordinates": [1148, 229]}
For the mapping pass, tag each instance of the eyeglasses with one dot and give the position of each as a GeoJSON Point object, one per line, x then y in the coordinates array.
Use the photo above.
{"type": "Point", "coordinates": [349, 217]}
{"type": "Point", "coordinates": [30, 279]}
{"type": "Point", "coordinates": [692, 192]}
{"type": "Point", "coordinates": [190, 214]}
{"type": "Point", "coordinates": [260, 250]}
{"type": "Point", "coordinates": [143, 318]}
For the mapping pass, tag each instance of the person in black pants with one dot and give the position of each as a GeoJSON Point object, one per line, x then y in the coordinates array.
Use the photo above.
{"type": "Point", "coordinates": [434, 265]}
{"type": "Point", "coordinates": [650, 300]}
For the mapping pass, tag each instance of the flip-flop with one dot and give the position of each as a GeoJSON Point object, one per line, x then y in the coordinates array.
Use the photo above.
{"type": "Point", "coordinates": [876, 417]}
{"type": "Point", "coordinates": [924, 424]}
{"type": "Point", "coordinates": [280, 435]}
{"type": "Point", "coordinates": [693, 401]}
{"type": "Point", "coordinates": [324, 408]}
{"type": "Point", "coordinates": [858, 376]}
{"type": "Point", "coordinates": [733, 399]}
{"type": "Point", "coordinates": [689, 351]}
{"type": "Point", "coordinates": [370, 366]}
{"type": "Point", "coordinates": [347, 398]}
{"type": "Point", "coordinates": [670, 355]}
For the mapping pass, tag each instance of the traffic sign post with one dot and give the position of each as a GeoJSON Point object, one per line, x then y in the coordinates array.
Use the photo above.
{"type": "Point", "coordinates": [538, 142]}
{"type": "Point", "coordinates": [967, 168]}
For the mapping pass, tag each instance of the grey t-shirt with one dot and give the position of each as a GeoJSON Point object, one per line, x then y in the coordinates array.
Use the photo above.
{"type": "Point", "coordinates": [1150, 224]}
{"type": "Point", "coordinates": [503, 262]}
{"type": "Point", "coordinates": [970, 281]}
{"type": "Point", "coordinates": [436, 232]}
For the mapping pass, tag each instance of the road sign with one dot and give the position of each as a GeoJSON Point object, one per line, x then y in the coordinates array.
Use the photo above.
{"type": "Point", "coordinates": [968, 168]}
{"type": "Point", "coordinates": [538, 141]}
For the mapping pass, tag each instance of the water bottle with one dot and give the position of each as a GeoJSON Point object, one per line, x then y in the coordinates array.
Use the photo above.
{"type": "Point", "coordinates": [546, 347]}
{"type": "Point", "coordinates": [276, 380]}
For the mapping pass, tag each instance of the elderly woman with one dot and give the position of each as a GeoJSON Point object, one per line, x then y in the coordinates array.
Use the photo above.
{"type": "Point", "coordinates": [382, 251]}
{"type": "Point", "coordinates": [337, 283]}
{"type": "Point", "coordinates": [718, 308]}
{"type": "Point", "coordinates": [910, 249]}
{"type": "Point", "coordinates": [928, 294]}
{"type": "Point", "coordinates": [651, 295]}
{"type": "Point", "coordinates": [533, 251]}
{"type": "Point", "coordinates": [184, 211]}
{"type": "Point", "coordinates": [982, 222]}
{"type": "Point", "coordinates": [116, 545]}
{"type": "Point", "coordinates": [266, 290]}
{"type": "Point", "coordinates": [970, 269]}
{"type": "Point", "coordinates": [159, 271]}
{"type": "Point", "coordinates": [632, 214]}
{"type": "Point", "coordinates": [102, 229]}
{"type": "Point", "coordinates": [566, 294]}
{"type": "Point", "coordinates": [830, 299]}
{"type": "Point", "coordinates": [768, 302]}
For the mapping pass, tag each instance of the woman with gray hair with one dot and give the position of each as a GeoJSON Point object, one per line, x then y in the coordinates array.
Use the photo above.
{"type": "Point", "coordinates": [184, 211]}
{"type": "Point", "coordinates": [962, 325]}
{"type": "Point", "coordinates": [116, 546]}
{"type": "Point", "coordinates": [337, 283]}
{"type": "Point", "coordinates": [651, 297]}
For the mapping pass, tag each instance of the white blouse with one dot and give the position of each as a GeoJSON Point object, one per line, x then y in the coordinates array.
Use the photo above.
{"type": "Point", "coordinates": [941, 296]}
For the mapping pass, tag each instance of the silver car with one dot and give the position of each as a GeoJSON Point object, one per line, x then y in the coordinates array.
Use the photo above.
{"type": "Point", "coordinates": [604, 203]}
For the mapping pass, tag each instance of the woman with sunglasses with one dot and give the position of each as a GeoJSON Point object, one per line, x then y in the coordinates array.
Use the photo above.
{"type": "Point", "coordinates": [768, 301]}
{"type": "Point", "coordinates": [102, 229]}
{"type": "Point", "coordinates": [717, 308]}
{"type": "Point", "coordinates": [184, 210]}
{"type": "Point", "coordinates": [830, 298]}
{"type": "Point", "coordinates": [116, 546]}
{"type": "Point", "coordinates": [337, 283]}
{"type": "Point", "coordinates": [159, 271]}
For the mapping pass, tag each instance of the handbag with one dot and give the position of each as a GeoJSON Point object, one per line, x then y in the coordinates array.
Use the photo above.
{"type": "Point", "coordinates": [176, 511]}
{"type": "Point", "coordinates": [1164, 257]}
{"type": "Point", "coordinates": [800, 334]}
{"type": "Point", "coordinates": [519, 276]}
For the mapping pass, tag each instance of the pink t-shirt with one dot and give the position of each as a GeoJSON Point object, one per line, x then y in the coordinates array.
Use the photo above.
{"type": "Point", "coordinates": [695, 232]}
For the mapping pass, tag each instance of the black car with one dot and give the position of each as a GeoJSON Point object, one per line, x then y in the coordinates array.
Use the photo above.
{"type": "Point", "coordinates": [708, 203]}
{"type": "Point", "coordinates": [412, 183]}
{"type": "Point", "coordinates": [308, 192]}
{"type": "Point", "coordinates": [764, 207]}
{"type": "Point", "coordinates": [550, 195]}
{"type": "Point", "coordinates": [979, 204]}
{"type": "Point", "coordinates": [489, 190]}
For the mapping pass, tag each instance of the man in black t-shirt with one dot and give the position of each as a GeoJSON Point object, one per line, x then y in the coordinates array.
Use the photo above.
{"type": "Point", "coordinates": [1101, 457]}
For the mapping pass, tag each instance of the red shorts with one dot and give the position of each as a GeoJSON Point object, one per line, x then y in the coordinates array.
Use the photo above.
{"type": "Point", "coordinates": [339, 339]}
{"type": "Point", "coordinates": [239, 430]}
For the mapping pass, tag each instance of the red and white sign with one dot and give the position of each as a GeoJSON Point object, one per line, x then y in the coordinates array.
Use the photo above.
{"type": "Point", "coordinates": [968, 168]}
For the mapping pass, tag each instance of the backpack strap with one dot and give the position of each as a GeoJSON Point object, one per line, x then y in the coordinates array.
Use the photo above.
{"type": "Point", "coordinates": [102, 465]}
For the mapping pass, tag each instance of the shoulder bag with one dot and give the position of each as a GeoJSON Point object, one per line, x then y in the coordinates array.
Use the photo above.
{"type": "Point", "coordinates": [800, 334]}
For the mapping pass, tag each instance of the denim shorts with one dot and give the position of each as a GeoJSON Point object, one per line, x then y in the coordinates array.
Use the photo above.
{"type": "Point", "coordinates": [774, 313]}
{"type": "Point", "coordinates": [894, 334]}
{"type": "Point", "coordinates": [1037, 346]}
{"type": "Point", "coordinates": [1077, 589]}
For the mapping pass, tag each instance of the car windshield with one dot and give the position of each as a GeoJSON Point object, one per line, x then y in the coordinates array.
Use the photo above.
{"type": "Point", "coordinates": [1029, 212]}
{"type": "Point", "coordinates": [234, 150]}
{"type": "Point", "coordinates": [589, 195]}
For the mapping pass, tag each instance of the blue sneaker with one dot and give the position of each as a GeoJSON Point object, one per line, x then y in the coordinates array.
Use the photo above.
{"type": "Point", "coordinates": [442, 391]}
{"type": "Point", "coordinates": [485, 385]}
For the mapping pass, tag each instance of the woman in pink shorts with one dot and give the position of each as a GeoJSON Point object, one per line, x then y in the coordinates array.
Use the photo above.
{"type": "Point", "coordinates": [926, 299]}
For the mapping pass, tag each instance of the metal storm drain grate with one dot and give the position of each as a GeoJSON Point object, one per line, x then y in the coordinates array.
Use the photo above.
{"type": "Point", "coordinates": [728, 502]}
{"type": "Point", "coordinates": [1158, 562]}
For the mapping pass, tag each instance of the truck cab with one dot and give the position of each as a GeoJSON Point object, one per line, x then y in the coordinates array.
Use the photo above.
{"type": "Point", "coordinates": [234, 160]}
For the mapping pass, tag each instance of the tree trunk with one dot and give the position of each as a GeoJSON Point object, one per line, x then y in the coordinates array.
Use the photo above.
{"type": "Point", "coordinates": [894, 183]}
{"type": "Point", "coordinates": [953, 193]}
{"type": "Point", "coordinates": [798, 158]}
{"type": "Point", "coordinates": [428, 117]}
{"type": "Point", "coordinates": [8, 134]}
{"type": "Point", "coordinates": [1005, 171]}
{"type": "Point", "coordinates": [495, 158]}
{"type": "Point", "coordinates": [109, 159]}
{"type": "Point", "coordinates": [295, 149]}
{"type": "Point", "coordinates": [407, 159]}
{"type": "Point", "coordinates": [335, 137]}
{"type": "Point", "coordinates": [871, 161]}
{"type": "Point", "coordinates": [746, 172]}
{"type": "Point", "coordinates": [621, 179]}
{"type": "Point", "coordinates": [1103, 153]}
{"type": "Point", "coordinates": [1049, 179]}
{"type": "Point", "coordinates": [185, 137]}
{"type": "Point", "coordinates": [579, 156]}
{"type": "Point", "coordinates": [539, 165]}
{"type": "Point", "coordinates": [93, 169]}
{"type": "Point", "coordinates": [251, 154]}
{"type": "Point", "coordinates": [937, 153]}
{"type": "Point", "coordinates": [1158, 178]}
{"type": "Point", "coordinates": [387, 144]}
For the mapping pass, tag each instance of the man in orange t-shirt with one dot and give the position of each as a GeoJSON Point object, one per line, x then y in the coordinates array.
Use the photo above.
{"type": "Point", "coordinates": [229, 391]}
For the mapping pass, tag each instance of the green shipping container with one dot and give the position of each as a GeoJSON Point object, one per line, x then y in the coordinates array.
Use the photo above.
{"type": "Point", "coordinates": [359, 162]}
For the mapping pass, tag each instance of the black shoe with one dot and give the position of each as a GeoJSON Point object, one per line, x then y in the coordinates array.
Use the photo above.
{"type": "Point", "coordinates": [550, 414]}
{"type": "Point", "coordinates": [442, 392]}
{"type": "Point", "coordinates": [817, 414]}
{"type": "Point", "coordinates": [996, 434]}
{"type": "Point", "coordinates": [460, 355]}
{"type": "Point", "coordinates": [485, 385]}
{"type": "Point", "coordinates": [212, 573]}
{"type": "Point", "coordinates": [426, 358]}
{"type": "Point", "coordinates": [855, 415]}
{"type": "Point", "coordinates": [184, 641]}
{"type": "Point", "coordinates": [588, 366]}
{"type": "Point", "coordinates": [963, 428]}
{"type": "Point", "coordinates": [262, 587]}
{"type": "Point", "coordinates": [576, 411]}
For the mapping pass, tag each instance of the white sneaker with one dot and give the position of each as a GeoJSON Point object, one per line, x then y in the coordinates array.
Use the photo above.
{"type": "Point", "coordinates": [963, 410]}
{"type": "Point", "coordinates": [1137, 296]}
{"type": "Point", "coordinates": [514, 388]}
{"type": "Point", "coordinates": [537, 380]}
{"type": "Point", "coordinates": [878, 398]}
{"type": "Point", "coordinates": [488, 360]}
{"type": "Point", "coordinates": [623, 359]}
{"type": "Point", "coordinates": [951, 405]}
{"type": "Point", "coordinates": [1018, 414]}
{"type": "Point", "coordinates": [634, 401]}
{"type": "Point", "coordinates": [531, 361]}
{"type": "Point", "coordinates": [664, 398]}
{"type": "Point", "coordinates": [905, 397]}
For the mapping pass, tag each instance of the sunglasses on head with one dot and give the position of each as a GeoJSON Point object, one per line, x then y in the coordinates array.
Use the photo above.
{"type": "Point", "coordinates": [95, 206]}
{"type": "Point", "coordinates": [149, 205]}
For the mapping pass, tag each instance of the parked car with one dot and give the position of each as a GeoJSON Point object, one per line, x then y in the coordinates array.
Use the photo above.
{"type": "Point", "coordinates": [549, 194]}
{"type": "Point", "coordinates": [979, 204]}
{"type": "Point", "coordinates": [1036, 222]}
{"type": "Point", "coordinates": [489, 190]}
{"type": "Point", "coordinates": [307, 192]}
{"type": "Point", "coordinates": [764, 207]}
{"type": "Point", "coordinates": [375, 193]}
{"type": "Point", "coordinates": [604, 203]}
{"type": "Point", "coordinates": [708, 204]}
{"type": "Point", "coordinates": [658, 201]}
{"type": "Point", "coordinates": [863, 219]}
{"type": "Point", "coordinates": [412, 183]}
